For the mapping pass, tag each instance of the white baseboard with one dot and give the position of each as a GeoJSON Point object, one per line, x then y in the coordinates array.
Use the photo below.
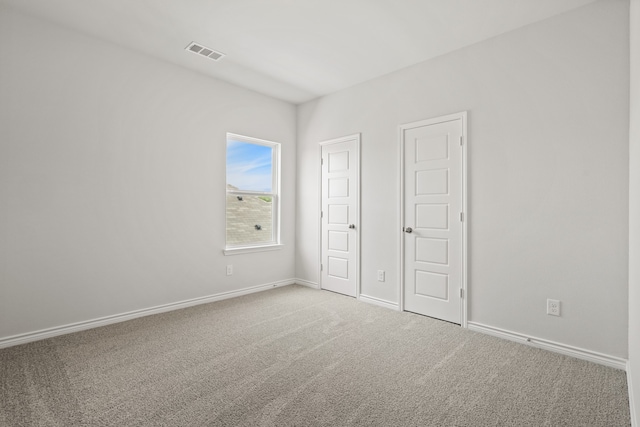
{"type": "Point", "coordinates": [632, 401]}
{"type": "Point", "coordinates": [567, 350]}
{"type": "Point", "coordinates": [307, 283]}
{"type": "Point", "coordinates": [379, 302]}
{"type": "Point", "coordinates": [108, 320]}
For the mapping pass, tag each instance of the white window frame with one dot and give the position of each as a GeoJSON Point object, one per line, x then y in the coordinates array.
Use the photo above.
{"type": "Point", "coordinates": [274, 244]}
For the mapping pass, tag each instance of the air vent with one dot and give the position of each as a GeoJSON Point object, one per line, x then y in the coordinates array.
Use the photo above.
{"type": "Point", "coordinates": [204, 51]}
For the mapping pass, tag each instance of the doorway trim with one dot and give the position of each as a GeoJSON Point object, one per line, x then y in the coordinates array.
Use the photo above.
{"type": "Point", "coordinates": [465, 212]}
{"type": "Point", "coordinates": [357, 137]}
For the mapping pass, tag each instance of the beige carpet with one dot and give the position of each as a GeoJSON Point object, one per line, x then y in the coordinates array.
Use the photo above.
{"type": "Point", "coordinates": [294, 356]}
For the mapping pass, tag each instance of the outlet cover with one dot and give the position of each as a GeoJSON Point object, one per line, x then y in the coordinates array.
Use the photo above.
{"type": "Point", "coordinates": [553, 307]}
{"type": "Point", "coordinates": [229, 270]}
{"type": "Point", "coordinates": [380, 275]}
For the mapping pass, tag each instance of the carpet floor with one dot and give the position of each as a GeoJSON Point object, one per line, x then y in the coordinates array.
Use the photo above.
{"type": "Point", "coordinates": [294, 356]}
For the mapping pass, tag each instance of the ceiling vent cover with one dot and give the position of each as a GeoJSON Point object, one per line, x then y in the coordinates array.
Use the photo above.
{"type": "Point", "coordinates": [204, 51]}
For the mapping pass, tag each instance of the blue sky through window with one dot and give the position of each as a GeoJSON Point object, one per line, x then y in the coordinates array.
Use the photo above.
{"type": "Point", "coordinates": [249, 166]}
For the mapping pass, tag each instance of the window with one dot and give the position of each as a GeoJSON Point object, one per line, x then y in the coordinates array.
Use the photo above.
{"type": "Point", "coordinates": [253, 203]}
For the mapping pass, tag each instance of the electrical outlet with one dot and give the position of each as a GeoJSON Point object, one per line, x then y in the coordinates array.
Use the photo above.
{"type": "Point", "coordinates": [380, 275]}
{"type": "Point", "coordinates": [229, 270]}
{"type": "Point", "coordinates": [553, 307]}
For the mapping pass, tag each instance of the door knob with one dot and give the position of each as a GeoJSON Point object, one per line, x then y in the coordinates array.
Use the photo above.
{"type": "Point", "coordinates": [408, 230]}
{"type": "Point", "coordinates": [352, 226]}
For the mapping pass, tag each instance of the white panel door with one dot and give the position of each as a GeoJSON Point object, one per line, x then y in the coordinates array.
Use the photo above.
{"type": "Point", "coordinates": [339, 214]}
{"type": "Point", "coordinates": [432, 226]}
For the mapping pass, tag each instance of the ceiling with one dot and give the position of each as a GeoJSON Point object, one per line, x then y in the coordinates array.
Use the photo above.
{"type": "Point", "coordinates": [295, 50]}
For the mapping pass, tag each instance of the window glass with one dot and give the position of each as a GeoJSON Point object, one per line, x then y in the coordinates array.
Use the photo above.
{"type": "Point", "coordinates": [252, 199]}
{"type": "Point", "coordinates": [249, 220]}
{"type": "Point", "coordinates": [249, 166]}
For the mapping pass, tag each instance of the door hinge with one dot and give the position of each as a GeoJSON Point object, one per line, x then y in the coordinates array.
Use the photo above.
{"type": "Point", "coordinates": [461, 293]}
{"type": "Point", "coordinates": [321, 267]}
{"type": "Point", "coordinates": [321, 161]}
{"type": "Point", "coordinates": [321, 214]}
{"type": "Point", "coordinates": [461, 140]}
{"type": "Point", "coordinates": [461, 216]}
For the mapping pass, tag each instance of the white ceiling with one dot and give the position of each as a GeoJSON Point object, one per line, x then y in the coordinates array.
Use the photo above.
{"type": "Point", "coordinates": [296, 50]}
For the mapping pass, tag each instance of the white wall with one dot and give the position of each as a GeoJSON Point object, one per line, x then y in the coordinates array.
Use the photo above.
{"type": "Point", "coordinates": [634, 215]}
{"type": "Point", "coordinates": [548, 174]}
{"type": "Point", "coordinates": [112, 174]}
{"type": "Point", "coordinates": [112, 179]}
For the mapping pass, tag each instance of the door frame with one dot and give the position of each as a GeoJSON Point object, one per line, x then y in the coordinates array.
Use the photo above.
{"type": "Point", "coordinates": [357, 137]}
{"type": "Point", "coordinates": [465, 218]}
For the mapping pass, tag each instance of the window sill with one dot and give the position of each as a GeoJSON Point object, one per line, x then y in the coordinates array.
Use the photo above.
{"type": "Point", "coordinates": [251, 249]}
